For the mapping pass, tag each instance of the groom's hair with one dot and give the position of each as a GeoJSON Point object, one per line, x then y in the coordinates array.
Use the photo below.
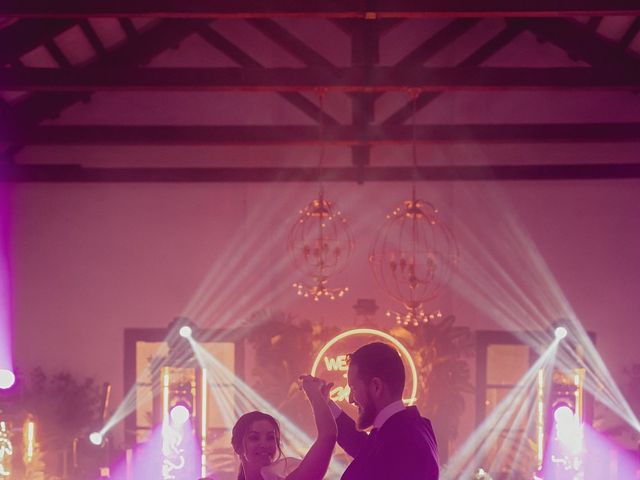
{"type": "Point", "coordinates": [380, 360]}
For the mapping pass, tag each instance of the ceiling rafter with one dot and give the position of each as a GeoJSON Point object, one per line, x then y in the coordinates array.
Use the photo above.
{"type": "Point", "coordinates": [364, 80]}
{"type": "Point", "coordinates": [364, 38]}
{"type": "Point", "coordinates": [25, 35]}
{"type": "Point", "coordinates": [40, 106]}
{"type": "Point", "coordinates": [580, 42]}
{"type": "Point", "coordinates": [328, 8]}
{"type": "Point", "coordinates": [349, 79]}
{"type": "Point", "coordinates": [482, 53]}
{"type": "Point", "coordinates": [594, 23]}
{"type": "Point", "coordinates": [434, 44]}
{"type": "Point", "coordinates": [384, 25]}
{"type": "Point", "coordinates": [77, 173]}
{"type": "Point", "coordinates": [128, 27]}
{"type": "Point", "coordinates": [308, 56]}
{"type": "Point", "coordinates": [441, 39]}
{"type": "Point", "coordinates": [308, 135]}
{"type": "Point", "coordinates": [630, 34]}
{"type": "Point", "coordinates": [92, 37]}
{"type": "Point", "coordinates": [148, 44]}
{"type": "Point", "coordinates": [365, 53]}
{"type": "Point", "coordinates": [57, 54]}
{"type": "Point", "coordinates": [290, 43]}
{"type": "Point", "coordinates": [236, 54]}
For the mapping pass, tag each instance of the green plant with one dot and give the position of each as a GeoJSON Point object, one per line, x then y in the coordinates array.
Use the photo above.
{"type": "Point", "coordinates": [63, 407]}
{"type": "Point", "coordinates": [284, 350]}
{"type": "Point", "coordinates": [441, 351]}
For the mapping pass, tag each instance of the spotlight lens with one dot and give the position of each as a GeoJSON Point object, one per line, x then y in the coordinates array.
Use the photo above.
{"type": "Point", "coordinates": [561, 332]}
{"type": "Point", "coordinates": [179, 414]}
{"type": "Point", "coordinates": [563, 416]}
{"type": "Point", "coordinates": [96, 438]}
{"type": "Point", "coordinates": [7, 378]}
{"type": "Point", "coordinates": [568, 429]}
{"type": "Point", "coordinates": [185, 331]}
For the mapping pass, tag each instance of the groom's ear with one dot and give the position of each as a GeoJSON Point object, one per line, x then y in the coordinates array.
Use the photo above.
{"type": "Point", "coordinates": [376, 386]}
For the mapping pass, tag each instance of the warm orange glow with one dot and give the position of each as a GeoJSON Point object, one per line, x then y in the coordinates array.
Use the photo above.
{"type": "Point", "coordinates": [165, 394]}
{"type": "Point", "coordinates": [29, 439]}
{"type": "Point", "coordinates": [540, 420]}
{"type": "Point", "coordinates": [203, 424]}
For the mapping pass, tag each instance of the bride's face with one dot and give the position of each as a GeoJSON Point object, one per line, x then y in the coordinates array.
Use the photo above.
{"type": "Point", "coordinates": [260, 443]}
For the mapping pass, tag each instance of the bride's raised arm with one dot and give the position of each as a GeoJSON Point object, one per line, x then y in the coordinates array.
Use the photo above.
{"type": "Point", "coordinates": [315, 463]}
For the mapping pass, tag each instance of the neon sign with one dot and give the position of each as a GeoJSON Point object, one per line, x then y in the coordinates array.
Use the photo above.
{"type": "Point", "coordinates": [338, 363]}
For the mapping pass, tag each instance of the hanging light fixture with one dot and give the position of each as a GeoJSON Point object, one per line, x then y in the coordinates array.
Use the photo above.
{"type": "Point", "coordinates": [414, 254]}
{"type": "Point", "coordinates": [320, 242]}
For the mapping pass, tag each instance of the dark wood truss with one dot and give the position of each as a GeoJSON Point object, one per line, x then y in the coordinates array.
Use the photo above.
{"type": "Point", "coordinates": [308, 135]}
{"type": "Point", "coordinates": [77, 173]}
{"type": "Point", "coordinates": [327, 8]}
{"type": "Point", "coordinates": [51, 90]}
{"type": "Point", "coordinates": [350, 79]}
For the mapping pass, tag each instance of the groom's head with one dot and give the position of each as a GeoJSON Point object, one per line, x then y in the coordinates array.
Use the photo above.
{"type": "Point", "coordinates": [376, 379]}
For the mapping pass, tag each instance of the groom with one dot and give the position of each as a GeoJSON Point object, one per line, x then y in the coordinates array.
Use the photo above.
{"type": "Point", "coordinates": [401, 444]}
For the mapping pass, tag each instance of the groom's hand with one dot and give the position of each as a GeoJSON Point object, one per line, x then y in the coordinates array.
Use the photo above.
{"type": "Point", "coordinates": [314, 387]}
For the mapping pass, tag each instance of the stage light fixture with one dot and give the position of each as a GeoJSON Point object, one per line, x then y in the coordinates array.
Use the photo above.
{"type": "Point", "coordinates": [96, 438]}
{"type": "Point", "coordinates": [563, 415]}
{"type": "Point", "coordinates": [7, 378]}
{"type": "Point", "coordinates": [179, 414]}
{"type": "Point", "coordinates": [185, 331]}
{"type": "Point", "coordinates": [568, 428]}
{"type": "Point", "coordinates": [561, 332]}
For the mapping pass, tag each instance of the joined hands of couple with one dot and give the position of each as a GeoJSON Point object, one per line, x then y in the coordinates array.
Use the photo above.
{"type": "Point", "coordinates": [314, 388]}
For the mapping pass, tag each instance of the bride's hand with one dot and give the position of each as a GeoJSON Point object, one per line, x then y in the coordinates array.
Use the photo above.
{"type": "Point", "coordinates": [314, 387]}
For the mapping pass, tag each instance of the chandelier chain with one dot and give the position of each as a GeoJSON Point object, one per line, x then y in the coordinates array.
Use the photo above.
{"type": "Point", "coordinates": [414, 93]}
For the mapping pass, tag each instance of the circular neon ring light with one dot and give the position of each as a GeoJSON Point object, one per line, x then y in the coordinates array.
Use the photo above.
{"type": "Point", "coordinates": [378, 333]}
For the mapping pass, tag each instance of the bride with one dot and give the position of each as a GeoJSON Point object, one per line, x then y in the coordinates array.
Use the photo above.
{"type": "Point", "coordinates": [256, 439]}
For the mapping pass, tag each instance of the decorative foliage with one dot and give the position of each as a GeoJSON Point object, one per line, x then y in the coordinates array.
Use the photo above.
{"type": "Point", "coordinates": [284, 350]}
{"type": "Point", "coordinates": [440, 351]}
{"type": "Point", "coordinates": [35, 469]}
{"type": "Point", "coordinates": [63, 407]}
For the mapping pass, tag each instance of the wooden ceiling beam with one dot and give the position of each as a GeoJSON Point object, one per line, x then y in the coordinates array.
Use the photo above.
{"type": "Point", "coordinates": [365, 55]}
{"type": "Point", "coordinates": [477, 57]}
{"type": "Point", "coordinates": [236, 54]}
{"type": "Point", "coordinates": [77, 173]}
{"type": "Point", "coordinates": [328, 8]}
{"type": "Point", "coordinates": [43, 105]}
{"type": "Point", "coordinates": [630, 34]}
{"type": "Point", "coordinates": [308, 135]}
{"type": "Point", "coordinates": [580, 42]}
{"type": "Point", "coordinates": [93, 38]}
{"type": "Point", "coordinates": [25, 35]}
{"type": "Point", "coordinates": [289, 42]}
{"type": "Point", "coordinates": [350, 79]}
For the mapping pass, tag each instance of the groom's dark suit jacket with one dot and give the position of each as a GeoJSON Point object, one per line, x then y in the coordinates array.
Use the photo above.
{"type": "Point", "coordinates": [403, 449]}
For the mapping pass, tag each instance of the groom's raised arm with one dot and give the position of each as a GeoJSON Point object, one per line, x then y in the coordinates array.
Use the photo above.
{"type": "Point", "coordinates": [350, 438]}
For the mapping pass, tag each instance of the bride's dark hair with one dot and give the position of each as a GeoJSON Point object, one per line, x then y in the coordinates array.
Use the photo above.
{"type": "Point", "coordinates": [241, 428]}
